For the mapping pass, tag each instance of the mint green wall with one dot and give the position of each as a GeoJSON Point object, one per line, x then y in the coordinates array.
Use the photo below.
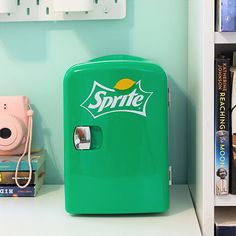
{"type": "Point", "coordinates": [35, 56]}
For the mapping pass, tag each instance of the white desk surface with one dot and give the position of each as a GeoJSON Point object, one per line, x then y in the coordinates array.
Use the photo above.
{"type": "Point", "coordinates": [44, 215]}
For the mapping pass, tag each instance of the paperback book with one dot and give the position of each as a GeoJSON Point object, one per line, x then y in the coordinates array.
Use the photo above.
{"type": "Point", "coordinates": [232, 181]}
{"type": "Point", "coordinates": [8, 177]}
{"type": "Point", "coordinates": [8, 163]}
{"type": "Point", "coordinates": [225, 15]}
{"type": "Point", "coordinates": [14, 191]}
{"type": "Point", "coordinates": [222, 124]}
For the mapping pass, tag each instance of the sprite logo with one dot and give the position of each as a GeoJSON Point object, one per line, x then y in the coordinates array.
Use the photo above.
{"type": "Point", "coordinates": [126, 96]}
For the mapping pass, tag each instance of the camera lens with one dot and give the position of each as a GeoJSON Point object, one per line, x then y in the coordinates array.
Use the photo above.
{"type": "Point", "coordinates": [5, 133]}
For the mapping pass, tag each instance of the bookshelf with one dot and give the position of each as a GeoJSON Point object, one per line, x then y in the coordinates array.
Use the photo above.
{"type": "Point", "coordinates": [201, 111]}
{"type": "Point", "coordinates": [204, 43]}
{"type": "Point", "coordinates": [225, 37]}
{"type": "Point", "coordinates": [229, 200]}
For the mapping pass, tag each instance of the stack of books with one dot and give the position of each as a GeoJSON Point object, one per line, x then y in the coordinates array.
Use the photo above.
{"type": "Point", "coordinates": [8, 187]}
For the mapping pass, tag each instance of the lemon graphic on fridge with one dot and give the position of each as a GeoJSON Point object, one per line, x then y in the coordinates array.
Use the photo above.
{"type": "Point", "coordinates": [124, 84]}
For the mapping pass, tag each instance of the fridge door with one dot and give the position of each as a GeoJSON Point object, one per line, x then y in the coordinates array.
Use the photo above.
{"type": "Point", "coordinates": [123, 102]}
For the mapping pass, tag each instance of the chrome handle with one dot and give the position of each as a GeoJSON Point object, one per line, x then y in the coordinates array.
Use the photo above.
{"type": "Point", "coordinates": [82, 138]}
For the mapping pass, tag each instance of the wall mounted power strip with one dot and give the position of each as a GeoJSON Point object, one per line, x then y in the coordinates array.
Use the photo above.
{"type": "Point", "coordinates": [47, 10]}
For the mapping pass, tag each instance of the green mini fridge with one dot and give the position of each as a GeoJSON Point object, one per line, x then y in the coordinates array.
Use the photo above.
{"type": "Point", "coordinates": [116, 137]}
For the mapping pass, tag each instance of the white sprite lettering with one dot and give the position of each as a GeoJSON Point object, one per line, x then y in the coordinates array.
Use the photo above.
{"type": "Point", "coordinates": [103, 100]}
{"type": "Point", "coordinates": [136, 100]}
{"type": "Point", "coordinates": [98, 99]}
{"type": "Point", "coordinates": [107, 101]}
{"type": "Point", "coordinates": [133, 100]}
{"type": "Point", "coordinates": [116, 99]}
{"type": "Point", "coordinates": [131, 96]}
{"type": "Point", "coordinates": [122, 103]}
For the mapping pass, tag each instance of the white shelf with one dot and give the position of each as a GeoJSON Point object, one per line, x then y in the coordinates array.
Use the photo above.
{"type": "Point", "coordinates": [45, 215]}
{"type": "Point", "coordinates": [227, 200]}
{"type": "Point", "coordinates": [201, 51]}
{"type": "Point", "coordinates": [225, 37]}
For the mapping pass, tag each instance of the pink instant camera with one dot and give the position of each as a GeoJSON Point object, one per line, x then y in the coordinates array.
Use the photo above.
{"type": "Point", "coordinates": [14, 118]}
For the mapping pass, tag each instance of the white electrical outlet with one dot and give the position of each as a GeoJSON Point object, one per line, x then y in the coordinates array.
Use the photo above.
{"type": "Point", "coordinates": [7, 6]}
{"type": "Point", "coordinates": [59, 10]}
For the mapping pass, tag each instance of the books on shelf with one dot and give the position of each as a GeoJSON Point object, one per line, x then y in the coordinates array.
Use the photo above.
{"type": "Point", "coordinates": [233, 128]}
{"type": "Point", "coordinates": [8, 177]}
{"type": "Point", "coordinates": [8, 163]}
{"type": "Point", "coordinates": [8, 187]}
{"type": "Point", "coordinates": [222, 124]}
{"type": "Point", "coordinates": [225, 125]}
{"type": "Point", "coordinates": [30, 191]}
{"type": "Point", "coordinates": [225, 16]}
{"type": "Point", "coordinates": [225, 221]}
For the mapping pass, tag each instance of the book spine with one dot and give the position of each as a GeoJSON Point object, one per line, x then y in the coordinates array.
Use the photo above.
{"type": "Point", "coordinates": [232, 181]}
{"type": "Point", "coordinates": [7, 164]}
{"type": "Point", "coordinates": [8, 178]}
{"type": "Point", "coordinates": [14, 191]}
{"type": "Point", "coordinates": [11, 166]}
{"type": "Point", "coordinates": [222, 125]}
{"type": "Point", "coordinates": [225, 16]}
{"type": "Point", "coordinates": [218, 15]}
{"type": "Point", "coordinates": [225, 230]}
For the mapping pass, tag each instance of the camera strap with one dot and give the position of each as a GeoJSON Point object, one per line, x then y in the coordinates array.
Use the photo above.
{"type": "Point", "coordinates": [26, 149]}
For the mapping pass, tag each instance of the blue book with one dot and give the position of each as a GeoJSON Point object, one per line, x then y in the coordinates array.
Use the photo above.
{"type": "Point", "coordinates": [15, 191]}
{"type": "Point", "coordinates": [222, 124]}
{"type": "Point", "coordinates": [225, 16]}
{"type": "Point", "coordinates": [225, 231]}
{"type": "Point", "coordinates": [8, 163]}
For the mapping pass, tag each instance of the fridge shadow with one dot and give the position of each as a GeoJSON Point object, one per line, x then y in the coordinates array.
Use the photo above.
{"type": "Point", "coordinates": [46, 191]}
{"type": "Point", "coordinates": [192, 134]}
{"type": "Point", "coordinates": [52, 165]}
{"type": "Point", "coordinates": [178, 132]}
{"type": "Point", "coordinates": [42, 140]}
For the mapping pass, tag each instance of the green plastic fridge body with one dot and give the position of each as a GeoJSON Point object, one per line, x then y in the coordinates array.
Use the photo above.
{"type": "Point", "coordinates": [116, 137]}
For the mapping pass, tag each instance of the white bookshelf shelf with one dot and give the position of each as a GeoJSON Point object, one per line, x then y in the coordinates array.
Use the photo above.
{"type": "Point", "coordinates": [225, 37]}
{"type": "Point", "coordinates": [201, 53]}
{"type": "Point", "coordinates": [45, 215]}
{"type": "Point", "coordinates": [227, 200]}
